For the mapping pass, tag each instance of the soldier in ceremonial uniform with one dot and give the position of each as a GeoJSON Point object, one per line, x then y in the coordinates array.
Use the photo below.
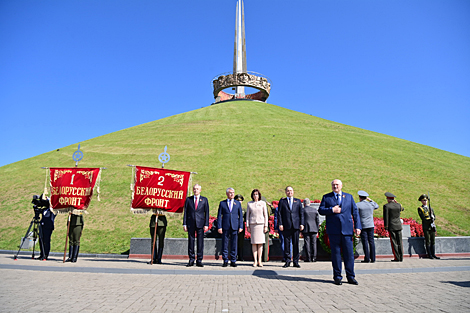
{"type": "Point", "coordinates": [161, 230]}
{"type": "Point", "coordinates": [392, 223]}
{"type": "Point", "coordinates": [429, 228]}
{"type": "Point", "coordinates": [77, 222]}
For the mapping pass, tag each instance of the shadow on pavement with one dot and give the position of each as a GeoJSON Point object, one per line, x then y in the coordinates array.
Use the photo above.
{"type": "Point", "coordinates": [269, 274]}
{"type": "Point", "coordinates": [458, 283]}
{"type": "Point", "coordinates": [113, 260]}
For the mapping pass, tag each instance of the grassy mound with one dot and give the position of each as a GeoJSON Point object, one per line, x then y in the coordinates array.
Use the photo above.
{"type": "Point", "coordinates": [243, 145]}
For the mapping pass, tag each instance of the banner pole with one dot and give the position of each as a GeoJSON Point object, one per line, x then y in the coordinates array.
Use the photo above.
{"type": "Point", "coordinates": [67, 236]}
{"type": "Point", "coordinates": [154, 239]}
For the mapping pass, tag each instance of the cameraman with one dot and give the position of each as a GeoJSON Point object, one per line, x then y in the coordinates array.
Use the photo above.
{"type": "Point", "coordinates": [47, 226]}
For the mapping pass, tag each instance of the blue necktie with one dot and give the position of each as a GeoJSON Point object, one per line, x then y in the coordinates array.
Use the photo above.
{"type": "Point", "coordinates": [338, 199]}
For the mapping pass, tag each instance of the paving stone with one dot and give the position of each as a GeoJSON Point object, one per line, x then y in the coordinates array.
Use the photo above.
{"type": "Point", "coordinates": [134, 286]}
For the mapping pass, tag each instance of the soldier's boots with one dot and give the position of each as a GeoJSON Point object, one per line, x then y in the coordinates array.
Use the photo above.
{"type": "Point", "coordinates": [428, 251]}
{"type": "Point", "coordinates": [433, 252]}
{"type": "Point", "coordinates": [71, 249]}
{"type": "Point", "coordinates": [75, 253]}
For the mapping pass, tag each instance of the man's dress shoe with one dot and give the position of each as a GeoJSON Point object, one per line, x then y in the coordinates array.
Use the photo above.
{"type": "Point", "coordinates": [190, 263]}
{"type": "Point", "coordinates": [233, 264]}
{"type": "Point", "coordinates": [296, 265]}
{"type": "Point", "coordinates": [199, 264]}
{"type": "Point", "coordinates": [338, 282]}
{"type": "Point", "coordinates": [287, 264]}
{"type": "Point", "coordinates": [352, 281]}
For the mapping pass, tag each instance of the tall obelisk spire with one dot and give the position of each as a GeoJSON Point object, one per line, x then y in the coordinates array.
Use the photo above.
{"type": "Point", "coordinates": [239, 56]}
{"type": "Point", "coordinates": [240, 78]}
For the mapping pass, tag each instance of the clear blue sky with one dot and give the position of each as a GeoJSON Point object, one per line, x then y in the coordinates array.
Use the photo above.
{"type": "Point", "coordinates": [74, 70]}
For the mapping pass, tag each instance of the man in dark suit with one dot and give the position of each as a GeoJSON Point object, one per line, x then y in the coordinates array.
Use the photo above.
{"type": "Point", "coordinates": [229, 224]}
{"type": "Point", "coordinates": [291, 223]}
{"type": "Point", "coordinates": [340, 210]}
{"type": "Point", "coordinates": [392, 223]}
{"type": "Point", "coordinates": [310, 231]}
{"type": "Point", "coordinates": [196, 221]}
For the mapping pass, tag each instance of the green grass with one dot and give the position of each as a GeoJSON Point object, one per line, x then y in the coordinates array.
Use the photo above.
{"type": "Point", "coordinates": [244, 145]}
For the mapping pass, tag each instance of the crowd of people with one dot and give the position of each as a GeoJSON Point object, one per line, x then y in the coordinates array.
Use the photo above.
{"type": "Point", "coordinates": [344, 219]}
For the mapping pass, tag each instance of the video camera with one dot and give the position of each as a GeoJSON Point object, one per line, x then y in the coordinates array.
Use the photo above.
{"type": "Point", "coordinates": [40, 203]}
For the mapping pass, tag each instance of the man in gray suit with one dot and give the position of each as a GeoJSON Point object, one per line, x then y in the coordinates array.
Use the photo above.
{"type": "Point", "coordinates": [311, 221]}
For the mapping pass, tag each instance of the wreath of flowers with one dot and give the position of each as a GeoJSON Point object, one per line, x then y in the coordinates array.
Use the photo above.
{"type": "Point", "coordinates": [325, 241]}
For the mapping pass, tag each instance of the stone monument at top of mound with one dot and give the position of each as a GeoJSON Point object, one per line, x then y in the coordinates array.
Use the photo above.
{"type": "Point", "coordinates": [240, 78]}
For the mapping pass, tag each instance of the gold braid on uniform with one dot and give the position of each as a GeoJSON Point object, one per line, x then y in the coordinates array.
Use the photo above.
{"type": "Point", "coordinates": [426, 213]}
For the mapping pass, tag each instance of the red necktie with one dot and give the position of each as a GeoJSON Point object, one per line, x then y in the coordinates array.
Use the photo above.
{"type": "Point", "coordinates": [195, 203]}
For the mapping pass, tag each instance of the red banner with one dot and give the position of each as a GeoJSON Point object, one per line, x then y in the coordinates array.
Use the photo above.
{"type": "Point", "coordinates": [72, 187]}
{"type": "Point", "coordinates": [158, 188]}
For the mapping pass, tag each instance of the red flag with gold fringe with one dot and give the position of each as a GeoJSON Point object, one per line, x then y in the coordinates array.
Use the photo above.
{"type": "Point", "coordinates": [158, 188]}
{"type": "Point", "coordinates": [72, 188]}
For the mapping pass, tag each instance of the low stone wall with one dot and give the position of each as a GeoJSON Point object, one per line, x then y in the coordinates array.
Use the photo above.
{"type": "Point", "coordinates": [177, 248]}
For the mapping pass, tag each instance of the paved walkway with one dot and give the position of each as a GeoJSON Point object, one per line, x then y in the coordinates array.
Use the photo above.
{"type": "Point", "coordinates": [121, 285]}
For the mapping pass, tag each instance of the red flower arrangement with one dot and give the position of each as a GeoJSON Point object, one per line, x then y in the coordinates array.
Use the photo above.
{"type": "Point", "coordinates": [416, 229]}
{"type": "Point", "coordinates": [211, 221]}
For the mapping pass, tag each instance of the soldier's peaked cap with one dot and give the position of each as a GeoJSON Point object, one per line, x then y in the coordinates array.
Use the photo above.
{"type": "Point", "coordinates": [362, 193]}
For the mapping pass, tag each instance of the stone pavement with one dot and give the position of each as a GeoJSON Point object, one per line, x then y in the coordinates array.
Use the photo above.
{"type": "Point", "coordinates": [100, 284]}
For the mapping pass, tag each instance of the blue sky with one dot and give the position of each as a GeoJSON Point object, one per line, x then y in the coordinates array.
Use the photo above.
{"type": "Point", "coordinates": [75, 70]}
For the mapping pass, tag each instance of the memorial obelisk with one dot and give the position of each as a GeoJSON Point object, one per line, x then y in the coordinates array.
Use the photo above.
{"type": "Point", "coordinates": [239, 55]}
{"type": "Point", "coordinates": [240, 77]}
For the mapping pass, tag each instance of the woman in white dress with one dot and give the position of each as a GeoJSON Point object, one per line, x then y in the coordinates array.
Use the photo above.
{"type": "Point", "coordinates": [257, 224]}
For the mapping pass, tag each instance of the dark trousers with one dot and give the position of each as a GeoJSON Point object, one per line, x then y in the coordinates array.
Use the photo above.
{"type": "Point", "coordinates": [75, 232]}
{"type": "Point", "coordinates": [344, 243]}
{"type": "Point", "coordinates": [161, 230]}
{"type": "Point", "coordinates": [45, 243]}
{"type": "Point", "coordinates": [368, 244]}
{"type": "Point", "coordinates": [200, 243]}
{"type": "Point", "coordinates": [397, 244]}
{"type": "Point", "coordinates": [310, 245]}
{"type": "Point", "coordinates": [229, 235]}
{"type": "Point", "coordinates": [429, 237]}
{"type": "Point", "coordinates": [240, 243]}
{"type": "Point", "coordinates": [291, 236]}
{"type": "Point", "coordinates": [281, 240]}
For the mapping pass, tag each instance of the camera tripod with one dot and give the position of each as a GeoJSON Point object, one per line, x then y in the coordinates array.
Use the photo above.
{"type": "Point", "coordinates": [37, 234]}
